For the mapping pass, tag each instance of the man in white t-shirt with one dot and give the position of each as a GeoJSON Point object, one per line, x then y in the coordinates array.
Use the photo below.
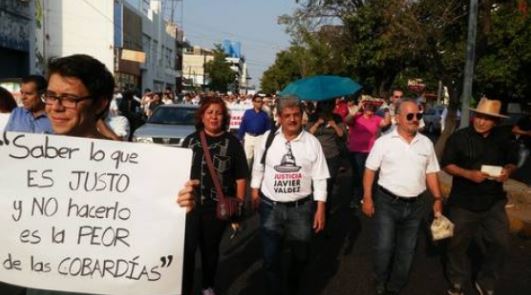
{"type": "Point", "coordinates": [395, 98]}
{"type": "Point", "coordinates": [282, 191]}
{"type": "Point", "coordinates": [407, 163]}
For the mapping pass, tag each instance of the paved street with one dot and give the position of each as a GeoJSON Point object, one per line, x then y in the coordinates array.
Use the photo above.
{"type": "Point", "coordinates": [341, 264]}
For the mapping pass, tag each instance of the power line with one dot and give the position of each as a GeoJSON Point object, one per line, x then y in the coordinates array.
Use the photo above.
{"type": "Point", "coordinates": [252, 39]}
{"type": "Point", "coordinates": [251, 62]}
{"type": "Point", "coordinates": [242, 38]}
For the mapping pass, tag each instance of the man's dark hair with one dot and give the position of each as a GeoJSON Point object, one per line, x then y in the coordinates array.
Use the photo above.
{"type": "Point", "coordinates": [92, 73]}
{"type": "Point", "coordinates": [325, 108]}
{"type": "Point", "coordinates": [370, 107]}
{"type": "Point", "coordinates": [7, 102]}
{"type": "Point", "coordinates": [39, 81]}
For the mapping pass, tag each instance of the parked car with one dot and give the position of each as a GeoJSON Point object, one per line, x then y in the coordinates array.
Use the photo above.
{"type": "Point", "coordinates": [168, 125]}
{"type": "Point", "coordinates": [432, 118]}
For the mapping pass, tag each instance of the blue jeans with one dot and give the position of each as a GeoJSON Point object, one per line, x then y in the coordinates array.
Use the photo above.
{"type": "Point", "coordinates": [279, 223]}
{"type": "Point", "coordinates": [357, 161]}
{"type": "Point", "coordinates": [333, 168]}
{"type": "Point", "coordinates": [493, 227]}
{"type": "Point", "coordinates": [397, 224]}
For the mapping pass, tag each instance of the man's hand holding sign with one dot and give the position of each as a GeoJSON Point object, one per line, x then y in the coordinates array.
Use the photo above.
{"type": "Point", "coordinates": [91, 215]}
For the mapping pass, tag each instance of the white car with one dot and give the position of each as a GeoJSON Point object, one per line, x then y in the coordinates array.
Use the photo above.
{"type": "Point", "coordinates": [168, 125]}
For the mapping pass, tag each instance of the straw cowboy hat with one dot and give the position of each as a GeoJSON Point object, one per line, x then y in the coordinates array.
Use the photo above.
{"type": "Point", "coordinates": [489, 107]}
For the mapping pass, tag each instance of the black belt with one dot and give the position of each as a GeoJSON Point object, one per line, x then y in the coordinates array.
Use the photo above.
{"type": "Point", "coordinates": [395, 197]}
{"type": "Point", "coordinates": [297, 203]}
{"type": "Point", "coordinates": [254, 134]}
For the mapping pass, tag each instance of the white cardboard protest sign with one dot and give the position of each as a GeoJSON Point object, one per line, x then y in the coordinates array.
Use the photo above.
{"type": "Point", "coordinates": [91, 216]}
{"type": "Point", "coordinates": [236, 114]}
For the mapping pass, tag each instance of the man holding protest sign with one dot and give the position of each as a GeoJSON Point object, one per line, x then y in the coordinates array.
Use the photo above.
{"type": "Point", "coordinates": [78, 94]}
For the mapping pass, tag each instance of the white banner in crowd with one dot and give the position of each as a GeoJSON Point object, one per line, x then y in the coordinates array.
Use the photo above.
{"type": "Point", "coordinates": [236, 114]}
{"type": "Point", "coordinates": [91, 216]}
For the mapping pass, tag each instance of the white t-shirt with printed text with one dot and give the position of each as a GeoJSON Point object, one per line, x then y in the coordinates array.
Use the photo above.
{"type": "Point", "coordinates": [290, 168]}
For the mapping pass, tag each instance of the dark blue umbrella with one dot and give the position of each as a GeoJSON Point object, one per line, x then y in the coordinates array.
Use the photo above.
{"type": "Point", "coordinates": [321, 87]}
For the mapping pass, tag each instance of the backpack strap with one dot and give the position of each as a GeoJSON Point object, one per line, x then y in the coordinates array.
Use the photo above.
{"type": "Point", "coordinates": [269, 141]}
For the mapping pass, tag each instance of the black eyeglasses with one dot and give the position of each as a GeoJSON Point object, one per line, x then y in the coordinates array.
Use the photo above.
{"type": "Point", "coordinates": [410, 116]}
{"type": "Point", "coordinates": [67, 100]}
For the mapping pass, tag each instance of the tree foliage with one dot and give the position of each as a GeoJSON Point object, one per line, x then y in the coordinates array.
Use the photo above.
{"type": "Point", "coordinates": [503, 67]}
{"type": "Point", "coordinates": [220, 74]}
{"type": "Point", "coordinates": [382, 43]}
{"type": "Point", "coordinates": [288, 66]}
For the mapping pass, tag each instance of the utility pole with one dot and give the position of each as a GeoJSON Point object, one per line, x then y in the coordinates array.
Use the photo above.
{"type": "Point", "coordinates": [439, 92]}
{"type": "Point", "coordinates": [173, 5]}
{"type": "Point", "coordinates": [469, 64]}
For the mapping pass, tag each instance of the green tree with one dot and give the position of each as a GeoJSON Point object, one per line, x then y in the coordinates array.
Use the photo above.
{"type": "Point", "coordinates": [219, 72]}
{"type": "Point", "coordinates": [289, 65]}
{"type": "Point", "coordinates": [505, 56]}
{"type": "Point", "coordinates": [382, 43]}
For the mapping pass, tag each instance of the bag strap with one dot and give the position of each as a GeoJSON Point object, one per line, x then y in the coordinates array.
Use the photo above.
{"type": "Point", "coordinates": [210, 165]}
{"type": "Point", "coordinates": [269, 141]}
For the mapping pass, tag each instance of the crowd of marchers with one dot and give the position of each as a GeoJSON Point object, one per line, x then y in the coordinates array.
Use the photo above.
{"type": "Point", "coordinates": [293, 152]}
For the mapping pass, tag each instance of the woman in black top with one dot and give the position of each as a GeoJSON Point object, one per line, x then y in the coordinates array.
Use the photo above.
{"type": "Point", "coordinates": [203, 229]}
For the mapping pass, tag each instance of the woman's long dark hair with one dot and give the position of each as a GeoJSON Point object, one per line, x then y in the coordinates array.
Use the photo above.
{"type": "Point", "coordinates": [325, 109]}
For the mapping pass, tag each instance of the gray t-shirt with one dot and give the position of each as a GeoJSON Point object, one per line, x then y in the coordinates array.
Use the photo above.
{"type": "Point", "coordinates": [327, 135]}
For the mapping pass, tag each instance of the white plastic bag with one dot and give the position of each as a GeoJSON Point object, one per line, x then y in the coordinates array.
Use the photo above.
{"type": "Point", "coordinates": [441, 228]}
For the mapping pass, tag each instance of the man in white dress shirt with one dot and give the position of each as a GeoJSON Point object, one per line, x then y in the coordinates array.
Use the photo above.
{"type": "Point", "coordinates": [407, 162]}
{"type": "Point", "coordinates": [282, 191]}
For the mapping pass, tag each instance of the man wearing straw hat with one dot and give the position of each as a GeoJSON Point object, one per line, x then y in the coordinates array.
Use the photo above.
{"type": "Point", "coordinates": [480, 158]}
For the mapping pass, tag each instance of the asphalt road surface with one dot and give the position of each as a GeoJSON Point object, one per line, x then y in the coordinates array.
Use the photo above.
{"type": "Point", "coordinates": [341, 259]}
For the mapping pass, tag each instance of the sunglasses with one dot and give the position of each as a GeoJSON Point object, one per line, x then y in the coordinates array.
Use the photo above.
{"type": "Point", "coordinates": [410, 116]}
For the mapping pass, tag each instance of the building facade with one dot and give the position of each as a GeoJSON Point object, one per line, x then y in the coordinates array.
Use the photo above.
{"type": "Point", "coordinates": [193, 70]}
{"type": "Point", "coordinates": [74, 27]}
{"type": "Point", "coordinates": [128, 52]}
{"type": "Point", "coordinates": [236, 60]}
{"type": "Point", "coordinates": [159, 45]}
{"type": "Point", "coordinates": [16, 37]}
{"type": "Point", "coordinates": [130, 37]}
